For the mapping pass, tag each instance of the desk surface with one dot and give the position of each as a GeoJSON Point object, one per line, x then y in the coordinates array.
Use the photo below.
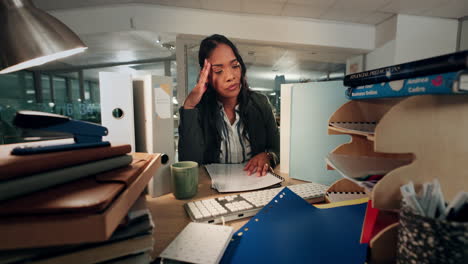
{"type": "Point", "coordinates": [169, 215]}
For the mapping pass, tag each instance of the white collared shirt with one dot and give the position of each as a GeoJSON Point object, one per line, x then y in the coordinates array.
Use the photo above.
{"type": "Point", "coordinates": [235, 148]}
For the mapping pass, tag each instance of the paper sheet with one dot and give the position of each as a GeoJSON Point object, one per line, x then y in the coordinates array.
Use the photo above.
{"type": "Point", "coordinates": [162, 103]}
{"type": "Point", "coordinates": [232, 178]}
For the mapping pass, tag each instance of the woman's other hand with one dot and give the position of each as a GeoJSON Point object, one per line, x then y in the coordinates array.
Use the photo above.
{"type": "Point", "coordinates": [197, 93]}
{"type": "Point", "coordinates": [259, 164]}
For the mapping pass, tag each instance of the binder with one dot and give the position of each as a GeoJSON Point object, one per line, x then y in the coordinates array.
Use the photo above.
{"type": "Point", "coordinates": [154, 126]}
{"type": "Point", "coordinates": [116, 95]}
{"type": "Point", "coordinates": [290, 230]}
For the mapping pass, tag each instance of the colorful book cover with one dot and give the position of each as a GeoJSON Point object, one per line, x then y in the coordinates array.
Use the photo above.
{"type": "Point", "coordinates": [434, 65]}
{"type": "Point", "coordinates": [445, 83]}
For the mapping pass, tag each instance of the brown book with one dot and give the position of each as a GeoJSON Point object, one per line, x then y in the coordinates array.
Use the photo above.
{"type": "Point", "coordinates": [104, 252]}
{"type": "Point", "coordinates": [16, 166]}
{"type": "Point", "coordinates": [81, 213]}
{"type": "Point", "coordinates": [92, 194]}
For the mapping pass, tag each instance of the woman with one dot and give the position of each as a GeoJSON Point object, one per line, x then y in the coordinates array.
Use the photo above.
{"type": "Point", "coordinates": [222, 120]}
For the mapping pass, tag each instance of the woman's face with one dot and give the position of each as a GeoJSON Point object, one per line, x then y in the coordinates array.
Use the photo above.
{"type": "Point", "coordinates": [225, 71]}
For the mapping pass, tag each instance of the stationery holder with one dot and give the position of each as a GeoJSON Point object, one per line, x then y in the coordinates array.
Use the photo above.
{"type": "Point", "coordinates": [428, 240]}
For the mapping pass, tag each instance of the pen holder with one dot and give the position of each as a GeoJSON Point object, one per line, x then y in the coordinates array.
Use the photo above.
{"type": "Point", "coordinates": [427, 240]}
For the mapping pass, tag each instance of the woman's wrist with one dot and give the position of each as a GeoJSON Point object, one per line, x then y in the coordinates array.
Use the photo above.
{"type": "Point", "coordinates": [269, 157]}
{"type": "Point", "coordinates": [188, 106]}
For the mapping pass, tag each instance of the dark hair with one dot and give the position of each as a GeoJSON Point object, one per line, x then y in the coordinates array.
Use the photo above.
{"type": "Point", "coordinates": [209, 98]}
{"type": "Point", "coordinates": [206, 48]}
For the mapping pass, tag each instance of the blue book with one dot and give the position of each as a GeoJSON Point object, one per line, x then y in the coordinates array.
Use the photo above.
{"type": "Point", "coordinates": [445, 83]}
{"type": "Point", "coordinates": [440, 64]}
{"type": "Point", "coordinates": [290, 230]}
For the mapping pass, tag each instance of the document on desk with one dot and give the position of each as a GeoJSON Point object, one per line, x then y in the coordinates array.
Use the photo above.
{"type": "Point", "coordinates": [233, 178]}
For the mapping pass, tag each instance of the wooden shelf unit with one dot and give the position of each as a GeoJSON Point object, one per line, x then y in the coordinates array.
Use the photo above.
{"type": "Point", "coordinates": [433, 129]}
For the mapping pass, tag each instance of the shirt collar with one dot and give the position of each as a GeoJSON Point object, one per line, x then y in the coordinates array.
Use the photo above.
{"type": "Point", "coordinates": [220, 106]}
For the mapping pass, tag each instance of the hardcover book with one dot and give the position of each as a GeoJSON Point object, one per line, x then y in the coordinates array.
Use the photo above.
{"type": "Point", "coordinates": [434, 65]}
{"type": "Point", "coordinates": [12, 166]}
{"type": "Point", "coordinates": [445, 83]}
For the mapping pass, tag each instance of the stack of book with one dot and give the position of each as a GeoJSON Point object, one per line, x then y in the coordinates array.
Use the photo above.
{"type": "Point", "coordinates": [75, 206]}
{"type": "Point", "coordinates": [445, 74]}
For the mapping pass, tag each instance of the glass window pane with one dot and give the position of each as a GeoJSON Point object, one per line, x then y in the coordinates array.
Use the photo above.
{"type": "Point", "coordinates": [10, 87]}
{"type": "Point", "coordinates": [95, 92]}
{"type": "Point", "coordinates": [60, 89]}
{"type": "Point", "coordinates": [28, 83]}
{"type": "Point", "coordinates": [87, 91]}
{"type": "Point", "coordinates": [45, 83]}
{"type": "Point", "coordinates": [75, 90]}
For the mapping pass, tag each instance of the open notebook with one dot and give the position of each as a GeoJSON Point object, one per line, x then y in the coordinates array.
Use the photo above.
{"type": "Point", "coordinates": [232, 178]}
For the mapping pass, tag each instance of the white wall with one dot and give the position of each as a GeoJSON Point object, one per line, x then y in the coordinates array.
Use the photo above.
{"type": "Point", "coordinates": [381, 57]}
{"type": "Point", "coordinates": [202, 22]}
{"type": "Point", "coordinates": [384, 52]}
{"type": "Point", "coordinates": [385, 31]}
{"type": "Point", "coordinates": [464, 35]}
{"type": "Point", "coordinates": [407, 38]}
{"type": "Point", "coordinates": [423, 37]}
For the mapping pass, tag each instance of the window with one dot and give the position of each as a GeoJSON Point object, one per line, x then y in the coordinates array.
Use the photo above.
{"type": "Point", "coordinates": [58, 94]}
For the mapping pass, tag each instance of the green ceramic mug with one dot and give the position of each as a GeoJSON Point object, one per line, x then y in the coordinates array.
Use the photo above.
{"type": "Point", "coordinates": [184, 179]}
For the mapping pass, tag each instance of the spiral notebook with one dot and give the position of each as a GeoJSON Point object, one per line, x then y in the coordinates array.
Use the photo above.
{"type": "Point", "coordinates": [233, 178]}
{"type": "Point", "coordinates": [344, 196]}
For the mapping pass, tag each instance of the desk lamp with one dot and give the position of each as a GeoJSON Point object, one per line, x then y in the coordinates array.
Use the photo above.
{"type": "Point", "coordinates": [30, 37]}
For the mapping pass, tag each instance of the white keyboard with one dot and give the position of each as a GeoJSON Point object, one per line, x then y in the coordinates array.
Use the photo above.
{"type": "Point", "coordinates": [237, 206]}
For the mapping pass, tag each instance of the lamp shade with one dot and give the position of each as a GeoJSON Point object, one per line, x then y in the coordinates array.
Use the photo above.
{"type": "Point", "coordinates": [30, 37]}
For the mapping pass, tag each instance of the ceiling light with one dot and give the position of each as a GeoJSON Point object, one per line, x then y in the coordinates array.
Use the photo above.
{"type": "Point", "coordinates": [31, 37]}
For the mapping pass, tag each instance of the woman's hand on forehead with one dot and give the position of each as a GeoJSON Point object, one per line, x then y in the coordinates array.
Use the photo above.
{"type": "Point", "coordinates": [196, 94]}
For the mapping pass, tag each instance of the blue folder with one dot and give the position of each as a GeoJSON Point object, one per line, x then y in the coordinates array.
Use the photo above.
{"type": "Point", "coordinates": [290, 230]}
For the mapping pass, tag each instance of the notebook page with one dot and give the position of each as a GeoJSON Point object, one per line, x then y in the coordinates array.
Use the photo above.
{"type": "Point", "coordinates": [233, 178]}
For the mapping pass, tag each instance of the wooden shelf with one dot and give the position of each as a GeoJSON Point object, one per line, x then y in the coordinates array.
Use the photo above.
{"type": "Point", "coordinates": [432, 129]}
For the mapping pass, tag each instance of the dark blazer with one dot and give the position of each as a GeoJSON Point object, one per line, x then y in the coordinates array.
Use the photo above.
{"type": "Point", "coordinates": [198, 138]}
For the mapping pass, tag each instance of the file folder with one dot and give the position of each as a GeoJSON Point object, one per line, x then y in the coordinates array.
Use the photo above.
{"type": "Point", "coordinates": [290, 230]}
